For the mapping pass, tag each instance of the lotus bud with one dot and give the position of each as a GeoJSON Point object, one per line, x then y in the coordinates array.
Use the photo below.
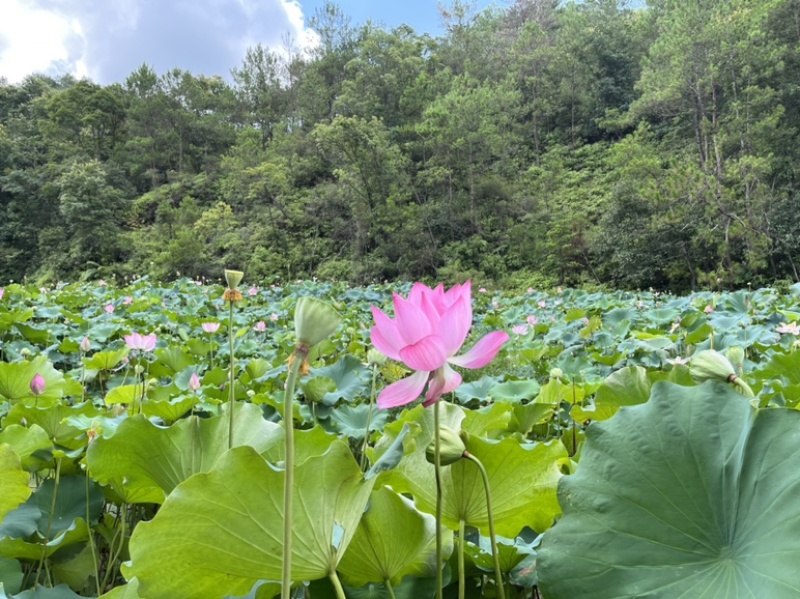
{"type": "Point", "coordinates": [194, 382]}
{"type": "Point", "coordinates": [556, 373]}
{"type": "Point", "coordinates": [451, 447]}
{"type": "Point", "coordinates": [138, 369]}
{"type": "Point", "coordinates": [710, 365]}
{"type": "Point", "coordinates": [314, 320]}
{"type": "Point", "coordinates": [38, 384]}
{"type": "Point", "coordinates": [374, 357]}
{"type": "Point", "coordinates": [85, 345]}
{"type": "Point", "coordinates": [735, 354]}
{"type": "Point", "coordinates": [25, 353]}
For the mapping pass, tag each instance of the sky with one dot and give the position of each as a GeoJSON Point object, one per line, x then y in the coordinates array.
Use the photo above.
{"type": "Point", "coordinates": [106, 40]}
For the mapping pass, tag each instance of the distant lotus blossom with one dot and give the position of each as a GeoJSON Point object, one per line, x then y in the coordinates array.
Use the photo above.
{"type": "Point", "coordinates": [640, 304]}
{"type": "Point", "coordinates": [135, 341]}
{"type": "Point", "coordinates": [43, 290]}
{"type": "Point", "coordinates": [586, 321]}
{"type": "Point", "coordinates": [260, 326]}
{"type": "Point", "coordinates": [482, 290]}
{"type": "Point", "coordinates": [199, 283]}
{"type": "Point", "coordinates": [520, 329]}
{"type": "Point", "coordinates": [789, 329]}
{"type": "Point", "coordinates": [531, 290]}
{"type": "Point", "coordinates": [210, 327]}
{"type": "Point", "coordinates": [194, 382]}
{"type": "Point", "coordinates": [102, 283]}
{"type": "Point", "coordinates": [677, 361]}
{"type": "Point", "coordinates": [542, 304]}
{"type": "Point", "coordinates": [37, 384]}
{"type": "Point", "coordinates": [532, 320]}
{"type": "Point", "coordinates": [2, 292]}
{"type": "Point", "coordinates": [426, 333]}
{"type": "Point", "coordinates": [127, 301]}
{"type": "Point", "coordinates": [495, 304]}
{"type": "Point", "coordinates": [109, 309]}
{"type": "Point", "coordinates": [273, 317]}
{"type": "Point", "coordinates": [252, 291]}
{"type": "Point", "coordinates": [85, 345]}
{"type": "Point", "coordinates": [559, 291]}
{"type": "Point", "coordinates": [709, 309]}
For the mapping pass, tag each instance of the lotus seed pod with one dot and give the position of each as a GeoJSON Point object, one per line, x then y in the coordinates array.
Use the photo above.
{"type": "Point", "coordinates": [314, 320]}
{"type": "Point", "coordinates": [375, 357]}
{"type": "Point", "coordinates": [710, 365]}
{"type": "Point", "coordinates": [451, 447]}
{"type": "Point", "coordinates": [233, 278]}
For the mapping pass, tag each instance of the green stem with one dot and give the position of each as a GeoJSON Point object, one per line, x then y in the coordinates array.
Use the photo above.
{"type": "Point", "coordinates": [337, 585]}
{"type": "Point", "coordinates": [369, 418]}
{"type": "Point", "coordinates": [388, 584]}
{"type": "Point", "coordinates": [113, 554]}
{"type": "Point", "coordinates": [437, 464]}
{"type": "Point", "coordinates": [91, 538]}
{"type": "Point", "coordinates": [50, 519]}
{"type": "Point", "coordinates": [497, 573]}
{"type": "Point", "coordinates": [300, 354]}
{"type": "Point", "coordinates": [231, 391]}
{"type": "Point", "coordinates": [462, 582]}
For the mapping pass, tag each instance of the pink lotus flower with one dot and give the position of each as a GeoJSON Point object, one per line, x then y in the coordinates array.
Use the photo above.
{"type": "Point", "coordinates": [482, 290]}
{"type": "Point", "coordinates": [709, 309]}
{"type": "Point", "coordinates": [542, 304]}
{"type": "Point", "coordinates": [135, 341]}
{"type": "Point", "coordinates": [532, 320]}
{"type": "Point", "coordinates": [109, 309]}
{"type": "Point", "coordinates": [520, 329]}
{"type": "Point", "coordinates": [789, 329]}
{"type": "Point", "coordinates": [127, 301]}
{"type": "Point", "coordinates": [194, 382]}
{"type": "Point", "coordinates": [85, 345]}
{"type": "Point", "coordinates": [274, 317]}
{"type": "Point", "coordinates": [2, 292]}
{"type": "Point", "coordinates": [210, 327]}
{"type": "Point", "coordinates": [37, 384]}
{"type": "Point", "coordinates": [252, 291]}
{"type": "Point", "coordinates": [531, 290]}
{"type": "Point", "coordinates": [102, 283]}
{"type": "Point", "coordinates": [677, 361]}
{"type": "Point", "coordinates": [260, 326]}
{"type": "Point", "coordinates": [427, 332]}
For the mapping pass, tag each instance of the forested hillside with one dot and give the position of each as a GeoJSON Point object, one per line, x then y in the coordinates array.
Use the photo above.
{"type": "Point", "coordinates": [540, 143]}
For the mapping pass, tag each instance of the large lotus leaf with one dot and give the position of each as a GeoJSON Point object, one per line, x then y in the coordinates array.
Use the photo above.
{"type": "Point", "coordinates": [11, 576]}
{"type": "Point", "coordinates": [515, 391]}
{"type": "Point", "coordinates": [693, 494]}
{"type": "Point", "coordinates": [352, 421]}
{"type": "Point", "coordinates": [626, 387]}
{"type": "Point", "coordinates": [60, 505]}
{"type": "Point", "coordinates": [78, 532]}
{"type": "Point", "coordinates": [57, 421]}
{"type": "Point", "coordinates": [13, 481]}
{"type": "Point", "coordinates": [15, 379]}
{"type": "Point", "coordinates": [60, 591]}
{"type": "Point", "coordinates": [350, 377]}
{"type": "Point", "coordinates": [144, 462]}
{"type": "Point", "coordinates": [126, 591]}
{"type": "Point", "coordinates": [523, 479]}
{"type": "Point", "coordinates": [106, 360]}
{"type": "Point", "coordinates": [393, 540]}
{"type": "Point", "coordinates": [220, 532]}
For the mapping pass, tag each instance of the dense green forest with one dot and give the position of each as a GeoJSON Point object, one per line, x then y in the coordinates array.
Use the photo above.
{"type": "Point", "coordinates": [539, 143]}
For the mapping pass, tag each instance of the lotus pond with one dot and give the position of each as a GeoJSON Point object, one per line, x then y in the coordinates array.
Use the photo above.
{"type": "Point", "coordinates": [143, 451]}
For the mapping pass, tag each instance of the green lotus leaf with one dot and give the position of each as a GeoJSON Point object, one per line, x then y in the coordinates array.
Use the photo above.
{"type": "Point", "coordinates": [60, 591]}
{"type": "Point", "coordinates": [143, 462]}
{"type": "Point", "coordinates": [106, 360]}
{"type": "Point", "coordinates": [350, 377]}
{"type": "Point", "coordinates": [351, 421]}
{"type": "Point", "coordinates": [15, 379]}
{"type": "Point", "coordinates": [693, 494]}
{"type": "Point", "coordinates": [59, 513]}
{"type": "Point", "coordinates": [220, 532]}
{"type": "Point", "coordinates": [14, 480]}
{"type": "Point", "coordinates": [126, 591]}
{"type": "Point", "coordinates": [124, 394]}
{"type": "Point", "coordinates": [78, 532]}
{"type": "Point", "coordinates": [626, 387]}
{"type": "Point", "coordinates": [57, 421]}
{"type": "Point", "coordinates": [515, 391]}
{"type": "Point", "coordinates": [523, 479]}
{"type": "Point", "coordinates": [11, 576]}
{"type": "Point", "coordinates": [393, 540]}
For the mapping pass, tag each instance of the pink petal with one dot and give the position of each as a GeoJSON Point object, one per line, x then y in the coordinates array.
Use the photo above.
{"type": "Point", "coordinates": [411, 321]}
{"type": "Point", "coordinates": [427, 354]}
{"type": "Point", "coordinates": [444, 381]}
{"type": "Point", "coordinates": [388, 333]}
{"type": "Point", "coordinates": [454, 326]}
{"type": "Point", "coordinates": [427, 305]}
{"type": "Point", "coordinates": [418, 292]}
{"type": "Point", "coordinates": [403, 391]}
{"type": "Point", "coordinates": [483, 352]}
{"type": "Point", "coordinates": [383, 346]}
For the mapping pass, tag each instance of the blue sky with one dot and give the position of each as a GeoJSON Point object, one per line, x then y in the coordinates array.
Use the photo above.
{"type": "Point", "coordinates": [106, 40]}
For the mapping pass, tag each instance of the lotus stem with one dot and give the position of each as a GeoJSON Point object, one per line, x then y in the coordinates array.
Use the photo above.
{"type": "Point", "coordinates": [91, 538]}
{"type": "Point", "coordinates": [295, 363]}
{"type": "Point", "coordinates": [497, 573]}
{"type": "Point", "coordinates": [369, 418]}
{"type": "Point", "coordinates": [231, 391]}
{"type": "Point", "coordinates": [438, 472]}
{"type": "Point", "coordinates": [462, 580]}
{"type": "Point", "coordinates": [337, 585]}
{"type": "Point", "coordinates": [50, 519]}
{"type": "Point", "coordinates": [389, 588]}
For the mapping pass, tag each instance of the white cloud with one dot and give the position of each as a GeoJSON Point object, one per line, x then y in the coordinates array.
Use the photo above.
{"type": "Point", "coordinates": [108, 39]}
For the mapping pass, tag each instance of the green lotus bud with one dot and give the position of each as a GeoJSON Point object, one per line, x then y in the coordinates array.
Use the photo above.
{"type": "Point", "coordinates": [556, 373]}
{"type": "Point", "coordinates": [233, 278]}
{"type": "Point", "coordinates": [314, 320]}
{"type": "Point", "coordinates": [710, 365]}
{"type": "Point", "coordinates": [375, 357]}
{"type": "Point", "coordinates": [451, 447]}
{"type": "Point", "coordinates": [735, 354]}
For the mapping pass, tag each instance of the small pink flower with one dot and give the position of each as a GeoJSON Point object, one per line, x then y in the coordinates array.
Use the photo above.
{"type": "Point", "coordinates": [37, 384]}
{"type": "Point", "coordinates": [210, 327]}
{"type": "Point", "coordinates": [2, 292]}
{"type": "Point", "coordinates": [482, 290]}
{"type": "Point", "coordinates": [789, 329]}
{"type": "Point", "coordinates": [273, 317]}
{"type": "Point", "coordinates": [426, 333]}
{"type": "Point", "coordinates": [531, 290]}
{"type": "Point", "coordinates": [85, 345]}
{"type": "Point", "coordinates": [252, 291]}
{"type": "Point", "coordinates": [135, 341]}
{"type": "Point", "coordinates": [194, 382]}
{"type": "Point", "coordinates": [532, 320]}
{"type": "Point", "coordinates": [709, 309]}
{"type": "Point", "coordinates": [495, 304]}
{"type": "Point", "coordinates": [520, 329]}
{"type": "Point", "coordinates": [109, 309]}
{"type": "Point", "coordinates": [102, 283]}
{"type": "Point", "coordinates": [260, 326]}
{"type": "Point", "coordinates": [677, 361]}
{"type": "Point", "coordinates": [542, 304]}
{"type": "Point", "coordinates": [586, 321]}
{"type": "Point", "coordinates": [199, 283]}
{"type": "Point", "coordinates": [127, 301]}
